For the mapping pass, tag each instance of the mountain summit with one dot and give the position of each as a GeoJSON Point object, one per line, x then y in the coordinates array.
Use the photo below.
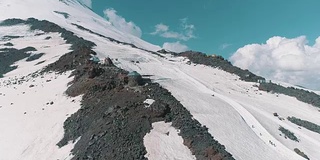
{"type": "Point", "coordinates": [74, 87]}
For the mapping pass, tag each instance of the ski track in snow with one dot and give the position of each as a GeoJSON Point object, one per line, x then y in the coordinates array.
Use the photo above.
{"type": "Point", "coordinates": [259, 130]}
{"type": "Point", "coordinates": [172, 74]}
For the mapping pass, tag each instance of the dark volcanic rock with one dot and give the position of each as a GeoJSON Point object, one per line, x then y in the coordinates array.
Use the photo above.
{"type": "Point", "coordinates": [34, 57]}
{"type": "Point", "coordinates": [306, 124]}
{"type": "Point", "coordinates": [113, 119]}
{"type": "Point", "coordinates": [70, 61]}
{"type": "Point", "coordinates": [302, 95]}
{"type": "Point", "coordinates": [47, 27]}
{"type": "Point", "coordinates": [95, 72]}
{"type": "Point", "coordinates": [220, 62]}
{"type": "Point", "coordinates": [8, 44]}
{"type": "Point", "coordinates": [9, 37]}
{"type": "Point", "coordinates": [288, 134]}
{"type": "Point", "coordinates": [196, 136]}
{"type": "Point", "coordinates": [64, 14]}
{"type": "Point", "coordinates": [10, 55]}
{"type": "Point", "coordinates": [39, 63]}
{"type": "Point", "coordinates": [301, 153]}
{"type": "Point", "coordinates": [114, 40]}
{"type": "Point", "coordinates": [108, 62]}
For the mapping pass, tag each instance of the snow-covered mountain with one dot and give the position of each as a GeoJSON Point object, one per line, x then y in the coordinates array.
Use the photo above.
{"type": "Point", "coordinates": [56, 103]}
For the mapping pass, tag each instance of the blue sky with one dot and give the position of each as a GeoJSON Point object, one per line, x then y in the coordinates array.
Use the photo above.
{"type": "Point", "coordinates": [277, 39]}
{"type": "Point", "coordinates": [221, 26]}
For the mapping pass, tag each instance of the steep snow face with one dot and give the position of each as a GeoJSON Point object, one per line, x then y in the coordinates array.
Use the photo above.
{"type": "Point", "coordinates": [32, 113]}
{"type": "Point", "coordinates": [64, 13]}
{"type": "Point", "coordinates": [163, 142]}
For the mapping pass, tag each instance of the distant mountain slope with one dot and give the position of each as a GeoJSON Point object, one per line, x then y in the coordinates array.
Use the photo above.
{"type": "Point", "coordinates": [64, 13]}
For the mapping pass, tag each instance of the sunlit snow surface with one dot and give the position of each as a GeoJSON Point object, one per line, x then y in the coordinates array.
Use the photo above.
{"type": "Point", "coordinates": [32, 116]}
{"type": "Point", "coordinates": [236, 113]}
{"type": "Point", "coordinates": [163, 142]}
{"type": "Point", "coordinates": [238, 116]}
{"type": "Point", "coordinates": [78, 14]}
{"type": "Point", "coordinates": [33, 109]}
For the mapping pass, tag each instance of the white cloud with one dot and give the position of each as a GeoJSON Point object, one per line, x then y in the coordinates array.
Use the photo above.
{"type": "Point", "coordinates": [121, 24]}
{"type": "Point", "coordinates": [160, 28]}
{"type": "Point", "coordinates": [175, 47]}
{"type": "Point", "coordinates": [283, 59]}
{"type": "Point", "coordinates": [225, 45]}
{"type": "Point", "coordinates": [187, 31]}
{"type": "Point", "coordinates": [88, 3]}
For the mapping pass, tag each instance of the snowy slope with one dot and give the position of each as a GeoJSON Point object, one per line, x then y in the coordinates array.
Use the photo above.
{"type": "Point", "coordinates": [32, 126]}
{"type": "Point", "coordinates": [163, 142]}
{"type": "Point", "coordinates": [32, 117]}
{"type": "Point", "coordinates": [194, 86]}
{"type": "Point", "coordinates": [53, 48]}
{"type": "Point", "coordinates": [77, 13]}
{"type": "Point", "coordinates": [236, 113]}
{"type": "Point", "coordinates": [219, 114]}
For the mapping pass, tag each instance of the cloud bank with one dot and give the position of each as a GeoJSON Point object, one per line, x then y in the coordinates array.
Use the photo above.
{"type": "Point", "coordinates": [175, 47]}
{"type": "Point", "coordinates": [186, 33]}
{"type": "Point", "coordinates": [121, 24]}
{"type": "Point", "coordinates": [283, 59]}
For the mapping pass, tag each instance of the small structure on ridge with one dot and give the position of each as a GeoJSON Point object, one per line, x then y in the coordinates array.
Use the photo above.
{"type": "Point", "coordinates": [134, 79]}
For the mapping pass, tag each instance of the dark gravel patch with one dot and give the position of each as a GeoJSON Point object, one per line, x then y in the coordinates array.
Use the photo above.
{"type": "Point", "coordinates": [8, 37]}
{"type": "Point", "coordinates": [39, 63]}
{"type": "Point", "coordinates": [7, 59]}
{"type": "Point", "coordinates": [65, 15]}
{"type": "Point", "coordinates": [47, 27]}
{"type": "Point", "coordinates": [113, 119]}
{"type": "Point", "coordinates": [114, 40]}
{"type": "Point", "coordinates": [306, 124]}
{"type": "Point", "coordinates": [34, 57]}
{"type": "Point", "coordinates": [10, 55]}
{"type": "Point", "coordinates": [220, 62]}
{"type": "Point", "coordinates": [196, 137]}
{"type": "Point", "coordinates": [8, 44]}
{"type": "Point", "coordinates": [302, 154]}
{"type": "Point", "coordinates": [301, 95]}
{"type": "Point", "coordinates": [288, 134]}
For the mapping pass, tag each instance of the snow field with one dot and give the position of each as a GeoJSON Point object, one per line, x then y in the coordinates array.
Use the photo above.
{"type": "Point", "coordinates": [52, 48]}
{"type": "Point", "coordinates": [32, 116]}
{"type": "Point", "coordinates": [163, 142]}
{"type": "Point", "coordinates": [78, 14]}
{"type": "Point", "coordinates": [225, 123]}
